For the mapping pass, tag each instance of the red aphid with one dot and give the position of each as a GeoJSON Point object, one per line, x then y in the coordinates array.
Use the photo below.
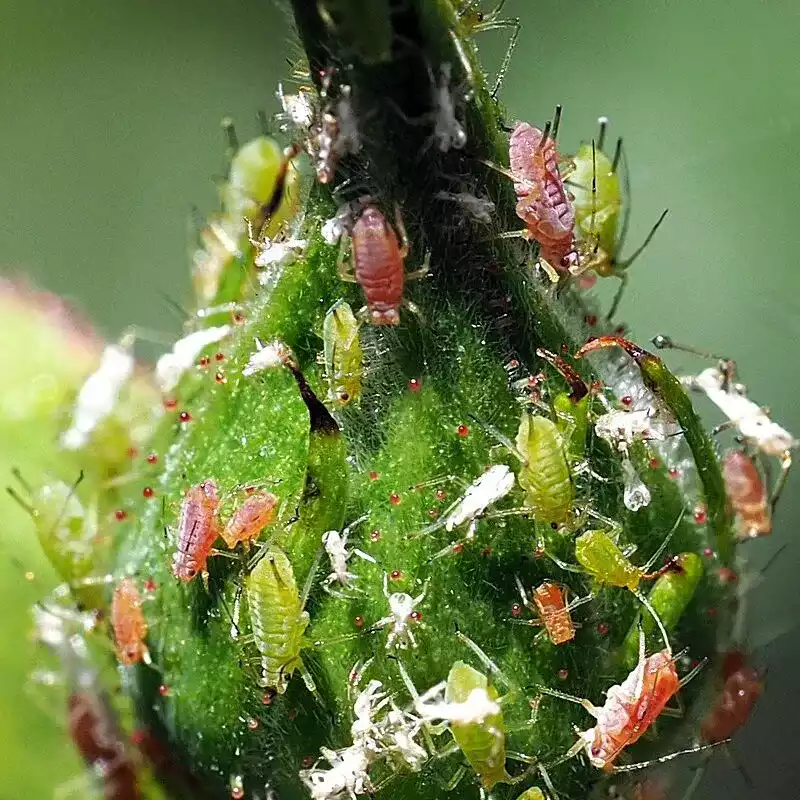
{"type": "Point", "coordinates": [747, 495]}
{"type": "Point", "coordinates": [544, 203]}
{"type": "Point", "coordinates": [378, 263]}
{"type": "Point", "coordinates": [630, 709]}
{"type": "Point", "coordinates": [95, 735]}
{"type": "Point", "coordinates": [742, 688]}
{"type": "Point", "coordinates": [198, 529]}
{"type": "Point", "coordinates": [257, 511]}
{"type": "Point", "coordinates": [130, 628]}
{"type": "Point", "coordinates": [550, 602]}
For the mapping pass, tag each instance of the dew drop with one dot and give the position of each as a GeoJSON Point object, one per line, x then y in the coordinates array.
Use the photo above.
{"type": "Point", "coordinates": [416, 616]}
{"type": "Point", "coordinates": [252, 723]}
{"type": "Point", "coordinates": [163, 690]}
{"type": "Point", "coordinates": [441, 494]}
{"type": "Point", "coordinates": [627, 401]}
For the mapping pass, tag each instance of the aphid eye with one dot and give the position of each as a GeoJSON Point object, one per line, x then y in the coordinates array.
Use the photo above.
{"type": "Point", "coordinates": [191, 573]}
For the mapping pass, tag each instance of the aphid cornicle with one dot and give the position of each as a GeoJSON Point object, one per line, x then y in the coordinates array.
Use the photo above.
{"type": "Point", "coordinates": [198, 529]}
{"type": "Point", "coordinates": [253, 515]}
{"type": "Point", "coordinates": [545, 474]}
{"type": "Point", "coordinates": [378, 265]}
{"type": "Point", "coordinates": [343, 354]}
{"type": "Point", "coordinates": [128, 622]}
{"type": "Point", "coordinates": [483, 744]}
{"type": "Point", "coordinates": [747, 495]}
{"type": "Point", "coordinates": [277, 617]}
{"type": "Point", "coordinates": [669, 597]}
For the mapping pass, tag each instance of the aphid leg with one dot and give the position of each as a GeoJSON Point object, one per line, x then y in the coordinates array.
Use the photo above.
{"type": "Point", "coordinates": [623, 285]}
{"type": "Point", "coordinates": [664, 759]}
{"type": "Point", "coordinates": [400, 230]}
{"type": "Point", "coordinates": [654, 614]}
{"type": "Point", "coordinates": [423, 271]}
{"type": "Point", "coordinates": [693, 674]}
{"type": "Point", "coordinates": [581, 701]}
{"type": "Point", "coordinates": [786, 465]}
{"type": "Point", "coordinates": [563, 564]}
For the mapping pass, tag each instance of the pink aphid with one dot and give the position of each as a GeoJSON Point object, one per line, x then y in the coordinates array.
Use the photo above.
{"type": "Point", "coordinates": [378, 263]}
{"type": "Point", "coordinates": [198, 529]}
{"type": "Point", "coordinates": [544, 203]}
{"type": "Point", "coordinates": [250, 518]}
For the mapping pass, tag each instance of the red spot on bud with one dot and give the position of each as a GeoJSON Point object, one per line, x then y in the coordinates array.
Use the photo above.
{"type": "Point", "coordinates": [395, 575]}
{"type": "Point", "coordinates": [603, 628]}
{"type": "Point", "coordinates": [358, 621]}
{"type": "Point", "coordinates": [596, 387]}
{"type": "Point", "coordinates": [441, 494]}
{"type": "Point", "coordinates": [394, 499]}
{"type": "Point", "coordinates": [486, 552]}
{"type": "Point", "coordinates": [513, 364]}
{"type": "Point", "coordinates": [563, 674]}
{"type": "Point", "coordinates": [266, 699]}
{"type": "Point", "coordinates": [373, 476]}
{"type": "Point", "coordinates": [138, 736]}
{"type": "Point", "coordinates": [590, 320]}
{"type": "Point", "coordinates": [132, 452]}
{"type": "Point", "coordinates": [147, 492]}
{"type": "Point", "coordinates": [163, 690]}
{"type": "Point", "coordinates": [620, 331]}
{"type": "Point", "coordinates": [152, 458]}
{"type": "Point", "coordinates": [673, 472]}
{"type": "Point", "coordinates": [414, 384]}
{"type": "Point", "coordinates": [203, 362]}
{"type": "Point", "coordinates": [149, 585]}
{"type": "Point", "coordinates": [727, 575]}
{"type": "Point", "coordinates": [433, 513]}
{"type": "Point", "coordinates": [238, 318]}
{"type": "Point", "coordinates": [170, 403]}
{"type": "Point", "coordinates": [712, 612]}
{"type": "Point", "coordinates": [564, 349]}
{"type": "Point", "coordinates": [458, 547]}
{"type": "Point", "coordinates": [219, 357]}
{"type": "Point", "coordinates": [120, 514]}
{"type": "Point", "coordinates": [708, 552]}
{"type": "Point", "coordinates": [307, 762]}
{"type": "Point", "coordinates": [416, 616]}
{"type": "Point", "coordinates": [185, 417]}
{"type": "Point", "coordinates": [516, 610]}
{"type": "Point", "coordinates": [375, 535]}
{"type": "Point", "coordinates": [626, 400]}
{"type": "Point", "coordinates": [219, 377]}
{"type": "Point", "coordinates": [462, 431]}
{"type": "Point", "coordinates": [701, 515]}
{"type": "Point", "coordinates": [654, 463]}
{"type": "Point", "coordinates": [252, 723]}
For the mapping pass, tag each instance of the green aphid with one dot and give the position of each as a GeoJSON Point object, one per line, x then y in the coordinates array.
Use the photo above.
{"type": "Point", "coordinates": [344, 358]}
{"type": "Point", "coordinates": [669, 597]}
{"type": "Point", "coordinates": [262, 184]}
{"type": "Point", "coordinates": [534, 793]}
{"type": "Point", "coordinates": [277, 618]}
{"type": "Point", "coordinates": [484, 744]}
{"type": "Point", "coordinates": [545, 475]}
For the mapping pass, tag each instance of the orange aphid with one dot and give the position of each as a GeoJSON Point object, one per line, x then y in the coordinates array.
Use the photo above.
{"type": "Point", "coordinates": [742, 688]}
{"type": "Point", "coordinates": [198, 529]}
{"type": "Point", "coordinates": [257, 511]}
{"type": "Point", "coordinates": [631, 708]}
{"type": "Point", "coordinates": [551, 604]}
{"type": "Point", "coordinates": [747, 495]}
{"type": "Point", "coordinates": [130, 628]}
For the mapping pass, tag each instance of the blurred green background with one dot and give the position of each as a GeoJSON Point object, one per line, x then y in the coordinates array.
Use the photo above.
{"type": "Point", "coordinates": [109, 122]}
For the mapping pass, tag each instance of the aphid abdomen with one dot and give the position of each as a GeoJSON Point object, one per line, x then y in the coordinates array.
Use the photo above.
{"type": "Point", "coordinates": [603, 560]}
{"type": "Point", "coordinates": [747, 495]}
{"type": "Point", "coordinates": [250, 518]}
{"type": "Point", "coordinates": [276, 616]}
{"type": "Point", "coordinates": [198, 529]}
{"type": "Point", "coordinates": [484, 744]}
{"type": "Point", "coordinates": [127, 619]}
{"type": "Point", "coordinates": [343, 354]}
{"type": "Point", "coordinates": [545, 476]}
{"type": "Point", "coordinates": [378, 265]}
{"type": "Point", "coordinates": [551, 605]}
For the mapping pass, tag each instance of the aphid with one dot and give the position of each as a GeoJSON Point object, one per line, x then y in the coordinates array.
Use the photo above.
{"type": "Point", "coordinates": [534, 793]}
{"type": "Point", "coordinates": [480, 209]}
{"type": "Point", "coordinates": [377, 264]}
{"type": "Point", "coordinates": [751, 420]}
{"type": "Point", "coordinates": [597, 202]}
{"type": "Point", "coordinates": [622, 427]}
{"type": "Point", "coordinates": [130, 628]}
{"type": "Point", "coordinates": [253, 515]}
{"type": "Point", "coordinates": [545, 474]}
{"type": "Point", "coordinates": [600, 557]}
{"type": "Point", "coordinates": [747, 495]}
{"type": "Point", "coordinates": [551, 607]}
{"type": "Point", "coordinates": [487, 489]}
{"type": "Point", "coordinates": [100, 393]}
{"type": "Point", "coordinates": [198, 529]}
{"type": "Point", "coordinates": [171, 366]}
{"type": "Point", "coordinates": [742, 688]}
{"type": "Point", "coordinates": [278, 619]}
{"type": "Point", "coordinates": [544, 203]}
{"type": "Point", "coordinates": [271, 252]}
{"type": "Point", "coordinates": [447, 130]}
{"type": "Point", "coordinates": [343, 355]}
{"type": "Point", "coordinates": [399, 621]}
{"type": "Point", "coordinates": [480, 731]}
{"type": "Point", "coordinates": [628, 712]}
{"type": "Point", "coordinates": [218, 246]}
{"type": "Point", "coordinates": [263, 185]}
{"type": "Point", "coordinates": [347, 775]}
{"type": "Point", "coordinates": [669, 597]}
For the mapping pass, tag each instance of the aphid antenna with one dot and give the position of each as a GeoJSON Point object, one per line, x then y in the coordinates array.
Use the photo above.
{"type": "Point", "coordinates": [556, 121]}
{"type": "Point", "coordinates": [548, 783]}
{"type": "Point", "coordinates": [664, 342]}
{"type": "Point", "coordinates": [664, 759]}
{"type": "Point", "coordinates": [175, 307]}
{"type": "Point", "coordinates": [263, 121]}
{"type": "Point", "coordinates": [641, 248]}
{"type": "Point", "coordinates": [617, 155]}
{"type": "Point", "coordinates": [499, 435]}
{"type": "Point", "coordinates": [693, 673]}
{"type": "Point", "coordinates": [229, 129]}
{"type": "Point", "coordinates": [594, 200]}
{"type": "Point", "coordinates": [658, 553]}
{"type": "Point", "coordinates": [545, 134]}
{"type": "Point", "coordinates": [601, 133]}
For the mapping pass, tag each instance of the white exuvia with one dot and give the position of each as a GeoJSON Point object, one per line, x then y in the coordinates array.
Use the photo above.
{"type": "Point", "coordinates": [172, 365]}
{"type": "Point", "coordinates": [100, 393]}
{"type": "Point", "coordinates": [267, 356]}
{"type": "Point", "coordinates": [475, 710]}
{"type": "Point", "coordinates": [490, 487]}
